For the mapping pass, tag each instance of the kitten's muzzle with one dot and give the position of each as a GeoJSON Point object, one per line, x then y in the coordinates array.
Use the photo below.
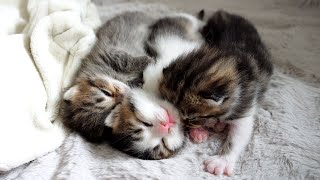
{"type": "Point", "coordinates": [165, 126]}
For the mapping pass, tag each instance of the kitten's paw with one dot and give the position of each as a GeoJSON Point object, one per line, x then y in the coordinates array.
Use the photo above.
{"type": "Point", "coordinates": [199, 135]}
{"type": "Point", "coordinates": [219, 126]}
{"type": "Point", "coordinates": [219, 165]}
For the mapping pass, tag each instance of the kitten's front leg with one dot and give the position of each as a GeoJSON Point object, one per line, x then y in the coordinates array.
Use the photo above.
{"type": "Point", "coordinates": [239, 135]}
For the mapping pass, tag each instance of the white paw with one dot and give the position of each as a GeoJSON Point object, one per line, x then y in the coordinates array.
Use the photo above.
{"type": "Point", "coordinates": [219, 165]}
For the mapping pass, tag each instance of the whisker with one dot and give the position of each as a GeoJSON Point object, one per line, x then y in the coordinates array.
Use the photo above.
{"type": "Point", "coordinates": [121, 138]}
{"type": "Point", "coordinates": [130, 133]}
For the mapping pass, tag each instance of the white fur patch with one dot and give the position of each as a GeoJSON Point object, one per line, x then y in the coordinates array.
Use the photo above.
{"type": "Point", "coordinates": [153, 110]}
{"type": "Point", "coordinates": [169, 48]}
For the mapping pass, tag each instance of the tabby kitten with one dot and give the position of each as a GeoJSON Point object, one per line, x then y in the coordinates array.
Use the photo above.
{"type": "Point", "coordinates": [101, 106]}
{"type": "Point", "coordinates": [115, 64]}
{"type": "Point", "coordinates": [222, 81]}
{"type": "Point", "coordinates": [144, 125]}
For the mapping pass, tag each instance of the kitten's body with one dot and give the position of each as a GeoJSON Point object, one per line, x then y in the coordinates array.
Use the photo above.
{"type": "Point", "coordinates": [222, 81]}
{"type": "Point", "coordinates": [170, 38]}
{"type": "Point", "coordinates": [119, 51]}
{"type": "Point", "coordinates": [114, 64]}
{"type": "Point", "coordinates": [145, 125]}
{"type": "Point", "coordinates": [101, 105]}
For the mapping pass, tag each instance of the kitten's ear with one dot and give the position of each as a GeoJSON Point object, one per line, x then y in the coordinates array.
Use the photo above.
{"type": "Point", "coordinates": [150, 49]}
{"type": "Point", "coordinates": [109, 120]}
{"type": "Point", "coordinates": [200, 14]}
{"type": "Point", "coordinates": [113, 116]}
{"type": "Point", "coordinates": [122, 87]}
{"type": "Point", "coordinates": [67, 96]}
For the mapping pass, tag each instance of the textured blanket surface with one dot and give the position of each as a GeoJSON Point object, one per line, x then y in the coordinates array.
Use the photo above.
{"type": "Point", "coordinates": [286, 138]}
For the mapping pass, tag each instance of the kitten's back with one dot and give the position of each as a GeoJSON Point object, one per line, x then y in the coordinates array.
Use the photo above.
{"type": "Point", "coordinates": [170, 37]}
{"type": "Point", "coordinates": [235, 33]}
{"type": "Point", "coordinates": [127, 32]}
{"type": "Point", "coordinates": [119, 51]}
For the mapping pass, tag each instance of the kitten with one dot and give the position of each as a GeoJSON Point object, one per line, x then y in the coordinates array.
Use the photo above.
{"type": "Point", "coordinates": [170, 38]}
{"type": "Point", "coordinates": [106, 74]}
{"type": "Point", "coordinates": [222, 81]}
{"type": "Point", "coordinates": [144, 125]}
{"type": "Point", "coordinates": [101, 106]}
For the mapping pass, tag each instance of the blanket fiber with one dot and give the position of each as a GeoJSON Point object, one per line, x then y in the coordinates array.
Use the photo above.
{"type": "Point", "coordinates": [286, 140]}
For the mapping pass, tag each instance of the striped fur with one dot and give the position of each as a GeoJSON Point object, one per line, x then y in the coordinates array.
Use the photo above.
{"type": "Point", "coordinates": [115, 64]}
{"type": "Point", "coordinates": [103, 103]}
{"type": "Point", "coordinates": [221, 81]}
{"type": "Point", "coordinates": [135, 126]}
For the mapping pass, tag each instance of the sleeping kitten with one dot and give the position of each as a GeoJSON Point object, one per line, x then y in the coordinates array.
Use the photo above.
{"type": "Point", "coordinates": [101, 106]}
{"type": "Point", "coordinates": [114, 64]}
{"type": "Point", "coordinates": [221, 81]}
{"type": "Point", "coordinates": [170, 38]}
{"type": "Point", "coordinates": [144, 125]}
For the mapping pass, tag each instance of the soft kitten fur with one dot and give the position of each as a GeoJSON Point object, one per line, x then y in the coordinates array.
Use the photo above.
{"type": "Point", "coordinates": [222, 81]}
{"type": "Point", "coordinates": [114, 64]}
{"type": "Point", "coordinates": [170, 38]}
{"type": "Point", "coordinates": [101, 106]}
{"type": "Point", "coordinates": [145, 125]}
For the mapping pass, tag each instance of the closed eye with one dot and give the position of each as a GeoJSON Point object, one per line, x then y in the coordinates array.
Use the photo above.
{"type": "Point", "coordinates": [137, 131]}
{"type": "Point", "coordinates": [145, 123]}
{"type": "Point", "coordinates": [105, 92]}
{"type": "Point", "coordinates": [216, 98]}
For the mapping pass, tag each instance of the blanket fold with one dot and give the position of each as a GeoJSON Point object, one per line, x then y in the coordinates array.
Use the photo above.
{"type": "Point", "coordinates": [57, 34]}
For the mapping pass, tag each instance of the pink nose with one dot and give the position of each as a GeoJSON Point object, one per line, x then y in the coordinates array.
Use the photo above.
{"type": "Point", "coordinates": [165, 126]}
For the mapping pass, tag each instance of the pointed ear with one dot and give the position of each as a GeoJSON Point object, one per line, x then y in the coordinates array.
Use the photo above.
{"type": "Point", "coordinates": [113, 116]}
{"type": "Point", "coordinates": [201, 14]}
{"type": "Point", "coordinates": [150, 49]}
{"type": "Point", "coordinates": [70, 93]}
{"type": "Point", "coordinates": [122, 87]}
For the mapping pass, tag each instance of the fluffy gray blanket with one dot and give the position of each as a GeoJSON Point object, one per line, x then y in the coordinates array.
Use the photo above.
{"type": "Point", "coordinates": [286, 139]}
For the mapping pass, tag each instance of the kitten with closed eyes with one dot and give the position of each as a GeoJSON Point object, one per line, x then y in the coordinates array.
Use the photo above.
{"type": "Point", "coordinates": [144, 124]}
{"type": "Point", "coordinates": [105, 103]}
{"type": "Point", "coordinates": [114, 64]}
{"type": "Point", "coordinates": [222, 81]}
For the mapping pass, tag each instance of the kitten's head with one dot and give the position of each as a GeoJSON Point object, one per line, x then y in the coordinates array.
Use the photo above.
{"type": "Point", "coordinates": [86, 104]}
{"type": "Point", "coordinates": [145, 127]}
{"type": "Point", "coordinates": [205, 84]}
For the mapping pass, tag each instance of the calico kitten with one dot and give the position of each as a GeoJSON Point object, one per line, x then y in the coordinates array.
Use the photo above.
{"type": "Point", "coordinates": [221, 81]}
{"type": "Point", "coordinates": [101, 106]}
{"type": "Point", "coordinates": [114, 64]}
